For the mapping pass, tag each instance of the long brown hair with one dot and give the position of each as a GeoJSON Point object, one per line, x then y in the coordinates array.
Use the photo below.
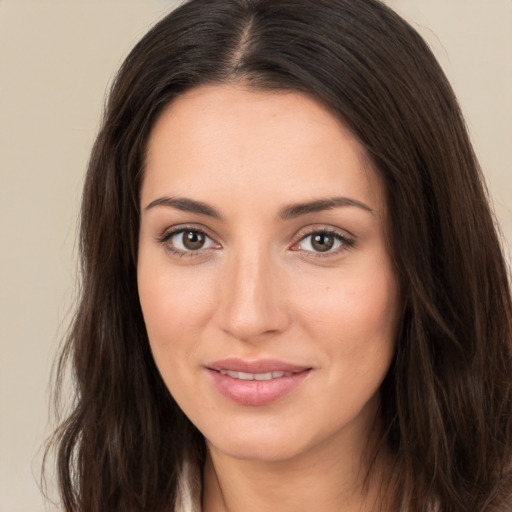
{"type": "Point", "coordinates": [447, 399]}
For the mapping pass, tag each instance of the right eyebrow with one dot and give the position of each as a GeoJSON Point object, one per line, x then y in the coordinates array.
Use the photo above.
{"type": "Point", "coordinates": [186, 205]}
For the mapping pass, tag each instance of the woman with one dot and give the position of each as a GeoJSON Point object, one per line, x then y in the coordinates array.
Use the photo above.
{"type": "Point", "coordinates": [293, 292]}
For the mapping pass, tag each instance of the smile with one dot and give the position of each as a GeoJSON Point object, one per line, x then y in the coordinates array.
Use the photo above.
{"type": "Point", "coordinates": [256, 383]}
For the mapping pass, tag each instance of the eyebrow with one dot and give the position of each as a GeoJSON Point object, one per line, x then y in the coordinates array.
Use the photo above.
{"type": "Point", "coordinates": [186, 205]}
{"type": "Point", "coordinates": [297, 210]}
{"type": "Point", "coordinates": [288, 212]}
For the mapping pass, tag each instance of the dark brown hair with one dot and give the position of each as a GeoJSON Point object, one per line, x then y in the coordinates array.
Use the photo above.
{"type": "Point", "coordinates": [447, 399]}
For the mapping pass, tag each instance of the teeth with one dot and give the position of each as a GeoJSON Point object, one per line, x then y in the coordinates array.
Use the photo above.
{"type": "Point", "coordinates": [255, 376]}
{"type": "Point", "coordinates": [263, 376]}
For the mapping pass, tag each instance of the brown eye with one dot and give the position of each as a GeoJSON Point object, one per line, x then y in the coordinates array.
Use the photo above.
{"type": "Point", "coordinates": [327, 242]}
{"type": "Point", "coordinates": [322, 242]}
{"type": "Point", "coordinates": [193, 240]}
{"type": "Point", "coordinates": [189, 240]}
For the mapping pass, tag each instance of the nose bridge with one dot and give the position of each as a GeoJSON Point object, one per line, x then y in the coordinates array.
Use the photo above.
{"type": "Point", "coordinates": [252, 300]}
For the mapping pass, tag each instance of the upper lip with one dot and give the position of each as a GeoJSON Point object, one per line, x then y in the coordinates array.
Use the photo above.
{"type": "Point", "coordinates": [257, 366]}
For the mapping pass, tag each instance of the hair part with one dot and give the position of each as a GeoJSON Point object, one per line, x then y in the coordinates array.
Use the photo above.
{"type": "Point", "coordinates": [446, 404]}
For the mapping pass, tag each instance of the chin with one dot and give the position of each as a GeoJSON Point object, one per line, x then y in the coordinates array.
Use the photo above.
{"type": "Point", "coordinates": [265, 442]}
{"type": "Point", "coordinates": [257, 449]}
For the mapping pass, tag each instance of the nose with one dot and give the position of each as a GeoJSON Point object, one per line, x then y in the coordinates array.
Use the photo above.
{"type": "Point", "coordinates": [252, 302]}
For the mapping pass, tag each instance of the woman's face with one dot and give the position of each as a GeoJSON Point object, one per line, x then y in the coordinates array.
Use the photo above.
{"type": "Point", "coordinates": [266, 284]}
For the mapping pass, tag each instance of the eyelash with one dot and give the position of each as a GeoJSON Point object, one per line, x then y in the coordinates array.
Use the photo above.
{"type": "Point", "coordinates": [346, 242]}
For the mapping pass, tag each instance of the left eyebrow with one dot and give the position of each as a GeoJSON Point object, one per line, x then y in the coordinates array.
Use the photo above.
{"type": "Point", "coordinates": [297, 210]}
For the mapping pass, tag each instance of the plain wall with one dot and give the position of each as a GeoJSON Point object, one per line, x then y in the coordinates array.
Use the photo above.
{"type": "Point", "coordinates": [56, 60]}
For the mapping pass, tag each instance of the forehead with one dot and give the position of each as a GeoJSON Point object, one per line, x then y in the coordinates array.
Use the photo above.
{"type": "Point", "coordinates": [274, 146]}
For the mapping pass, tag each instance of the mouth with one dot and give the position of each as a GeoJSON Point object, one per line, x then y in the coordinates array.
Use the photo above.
{"type": "Point", "coordinates": [256, 383]}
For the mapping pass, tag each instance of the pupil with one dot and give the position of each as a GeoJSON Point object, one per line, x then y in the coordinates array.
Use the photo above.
{"type": "Point", "coordinates": [322, 242]}
{"type": "Point", "coordinates": [193, 240]}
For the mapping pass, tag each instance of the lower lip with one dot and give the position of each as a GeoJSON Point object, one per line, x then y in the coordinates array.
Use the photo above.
{"type": "Point", "coordinates": [256, 392]}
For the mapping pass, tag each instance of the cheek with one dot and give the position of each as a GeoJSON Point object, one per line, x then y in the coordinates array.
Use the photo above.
{"type": "Point", "coordinates": [176, 303]}
{"type": "Point", "coordinates": [356, 314]}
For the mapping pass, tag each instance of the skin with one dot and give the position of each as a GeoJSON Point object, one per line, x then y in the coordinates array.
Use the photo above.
{"type": "Point", "coordinates": [258, 288]}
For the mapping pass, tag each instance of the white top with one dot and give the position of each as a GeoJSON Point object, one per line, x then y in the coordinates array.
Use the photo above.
{"type": "Point", "coordinates": [188, 498]}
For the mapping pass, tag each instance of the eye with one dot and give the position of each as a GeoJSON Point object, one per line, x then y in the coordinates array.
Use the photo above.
{"type": "Point", "coordinates": [186, 240]}
{"type": "Point", "coordinates": [323, 241]}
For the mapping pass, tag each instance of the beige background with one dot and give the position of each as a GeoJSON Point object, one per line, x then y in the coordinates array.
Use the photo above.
{"type": "Point", "coordinates": [56, 59]}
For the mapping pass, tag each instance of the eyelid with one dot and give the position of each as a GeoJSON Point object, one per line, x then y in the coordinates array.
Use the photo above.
{"type": "Point", "coordinates": [192, 226]}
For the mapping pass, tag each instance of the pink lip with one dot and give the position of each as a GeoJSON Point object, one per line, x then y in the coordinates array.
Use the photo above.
{"type": "Point", "coordinates": [256, 392]}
